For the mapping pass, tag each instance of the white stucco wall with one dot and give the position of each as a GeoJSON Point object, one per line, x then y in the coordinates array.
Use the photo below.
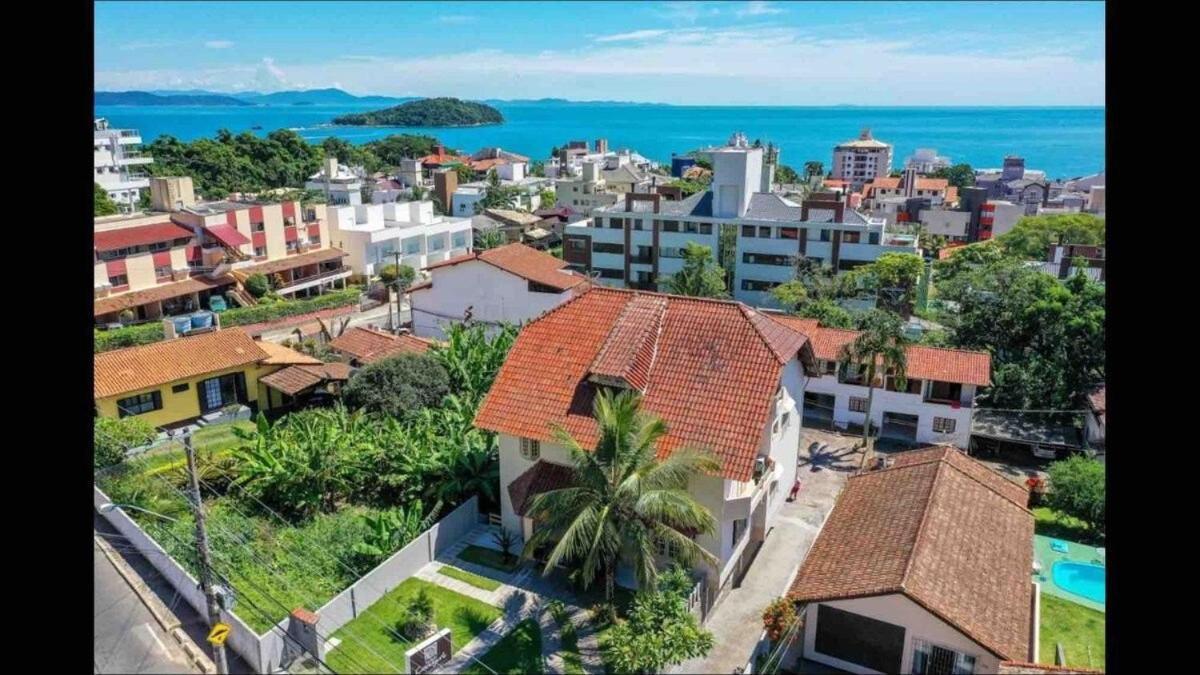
{"type": "Point", "coordinates": [897, 402]}
{"type": "Point", "coordinates": [494, 295]}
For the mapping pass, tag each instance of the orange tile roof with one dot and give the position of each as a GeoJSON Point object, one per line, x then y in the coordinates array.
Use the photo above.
{"type": "Point", "coordinates": [890, 183]}
{"type": "Point", "coordinates": [295, 379]}
{"type": "Point", "coordinates": [924, 363]}
{"type": "Point", "coordinates": [175, 289]}
{"type": "Point", "coordinates": [137, 368]}
{"type": "Point", "coordinates": [709, 370]}
{"type": "Point", "coordinates": [936, 528]}
{"type": "Point", "coordinates": [541, 477]}
{"type": "Point", "coordinates": [523, 261]}
{"type": "Point", "coordinates": [278, 355]}
{"type": "Point", "coordinates": [367, 345]}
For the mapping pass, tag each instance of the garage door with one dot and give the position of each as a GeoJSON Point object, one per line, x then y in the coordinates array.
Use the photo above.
{"type": "Point", "coordinates": [818, 406]}
{"type": "Point", "coordinates": [859, 639]}
{"type": "Point", "coordinates": [899, 426]}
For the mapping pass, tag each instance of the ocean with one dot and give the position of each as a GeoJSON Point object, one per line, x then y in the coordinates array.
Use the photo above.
{"type": "Point", "coordinates": [1063, 142]}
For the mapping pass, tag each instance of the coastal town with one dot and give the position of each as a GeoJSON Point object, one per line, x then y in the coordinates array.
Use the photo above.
{"type": "Point", "coordinates": [399, 406]}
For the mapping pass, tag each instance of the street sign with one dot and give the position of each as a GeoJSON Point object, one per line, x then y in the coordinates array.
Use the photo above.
{"type": "Point", "coordinates": [218, 634]}
{"type": "Point", "coordinates": [430, 654]}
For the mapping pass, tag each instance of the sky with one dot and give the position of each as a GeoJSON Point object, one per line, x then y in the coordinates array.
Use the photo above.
{"type": "Point", "coordinates": [699, 53]}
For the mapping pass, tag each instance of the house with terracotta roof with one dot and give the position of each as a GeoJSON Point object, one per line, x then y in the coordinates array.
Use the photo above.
{"type": "Point", "coordinates": [361, 346]}
{"type": "Point", "coordinates": [512, 284]}
{"type": "Point", "coordinates": [725, 379]}
{"type": "Point", "coordinates": [936, 404]}
{"type": "Point", "coordinates": [177, 380]}
{"type": "Point", "coordinates": [923, 566]}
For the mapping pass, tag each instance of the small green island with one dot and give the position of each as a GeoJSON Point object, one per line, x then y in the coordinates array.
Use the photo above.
{"type": "Point", "coordinates": [427, 112]}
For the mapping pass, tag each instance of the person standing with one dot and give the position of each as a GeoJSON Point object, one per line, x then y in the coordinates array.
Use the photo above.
{"type": "Point", "coordinates": [795, 490]}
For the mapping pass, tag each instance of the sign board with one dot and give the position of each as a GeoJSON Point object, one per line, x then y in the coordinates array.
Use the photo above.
{"type": "Point", "coordinates": [218, 634]}
{"type": "Point", "coordinates": [430, 654]}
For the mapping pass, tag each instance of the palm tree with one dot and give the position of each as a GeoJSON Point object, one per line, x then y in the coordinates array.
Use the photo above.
{"type": "Point", "coordinates": [879, 348]}
{"type": "Point", "coordinates": [624, 501]}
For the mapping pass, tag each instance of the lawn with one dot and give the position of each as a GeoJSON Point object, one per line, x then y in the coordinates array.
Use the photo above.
{"type": "Point", "coordinates": [1076, 627]}
{"type": "Point", "coordinates": [473, 579]}
{"type": "Point", "coordinates": [1051, 524]}
{"type": "Point", "coordinates": [488, 558]}
{"type": "Point", "coordinates": [367, 646]}
{"type": "Point", "coordinates": [519, 652]}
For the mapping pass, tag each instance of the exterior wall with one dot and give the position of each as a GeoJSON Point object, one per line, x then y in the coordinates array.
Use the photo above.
{"type": "Point", "coordinates": [139, 269]}
{"type": "Point", "coordinates": [184, 405]}
{"type": "Point", "coordinates": [493, 294]}
{"type": "Point", "coordinates": [952, 224]}
{"type": "Point", "coordinates": [1094, 429]}
{"type": "Point", "coordinates": [273, 223]}
{"type": "Point", "coordinates": [918, 623]}
{"type": "Point", "coordinates": [372, 233]}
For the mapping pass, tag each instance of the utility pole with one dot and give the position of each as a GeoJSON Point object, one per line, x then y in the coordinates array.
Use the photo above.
{"type": "Point", "coordinates": [398, 296]}
{"type": "Point", "coordinates": [210, 596]}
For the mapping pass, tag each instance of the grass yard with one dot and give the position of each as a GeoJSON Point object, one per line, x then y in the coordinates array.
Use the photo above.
{"type": "Point", "coordinates": [467, 577]}
{"type": "Point", "coordinates": [488, 558]}
{"type": "Point", "coordinates": [1051, 524]}
{"type": "Point", "coordinates": [384, 652]}
{"type": "Point", "coordinates": [519, 652]}
{"type": "Point", "coordinates": [1076, 627]}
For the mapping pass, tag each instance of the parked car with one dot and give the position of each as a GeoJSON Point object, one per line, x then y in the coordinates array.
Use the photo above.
{"type": "Point", "coordinates": [217, 304]}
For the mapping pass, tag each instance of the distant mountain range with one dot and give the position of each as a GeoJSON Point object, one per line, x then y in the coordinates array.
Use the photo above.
{"type": "Point", "coordinates": [203, 97]}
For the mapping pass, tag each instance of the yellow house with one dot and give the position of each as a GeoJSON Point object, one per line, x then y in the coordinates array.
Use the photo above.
{"type": "Point", "coordinates": [180, 379]}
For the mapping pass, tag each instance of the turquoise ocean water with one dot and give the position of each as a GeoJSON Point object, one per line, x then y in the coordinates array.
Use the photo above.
{"type": "Point", "coordinates": [1064, 142]}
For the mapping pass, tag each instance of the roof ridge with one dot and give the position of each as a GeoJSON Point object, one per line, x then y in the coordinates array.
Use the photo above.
{"type": "Point", "coordinates": [912, 556]}
{"type": "Point", "coordinates": [749, 314]}
{"type": "Point", "coordinates": [1023, 507]}
{"type": "Point", "coordinates": [106, 353]}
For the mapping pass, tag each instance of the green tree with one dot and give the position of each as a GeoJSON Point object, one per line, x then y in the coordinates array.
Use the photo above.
{"type": "Point", "coordinates": [390, 274]}
{"type": "Point", "coordinates": [391, 149]}
{"type": "Point", "coordinates": [465, 173]}
{"type": "Point", "coordinates": [472, 356]}
{"type": "Point", "coordinates": [622, 501]}
{"type": "Point", "coordinates": [1077, 487]}
{"type": "Point", "coordinates": [102, 205]}
{"type": "Point", "coordinates": [786, 174]}
{"type": "Point", "coordinates": [813, 168]}
{"type": "Point", "coordinates": [1032, 236]}
{"type": "Point", "coordinates": [488, 239]}
{"type": "Point", "coordinates": [688, 186]}
{"type": "Point", "coordinates": [660, 632]}
{"type": "Point", "coordinates": [959, 175]}
{"type": "Point", "coordinates": [144, 201]}
{"type": "Point", "coordinates": [538, 168]}
{"type": "Point", "coordinates": [497, 195]}
{"type": "Point", "coordinates": [398, 386]}
{"type": "Point", "coordinates": [257, 285]}
{"type": "Point", "coordinates": [877, 351]}
{"type": "Point", "coordinates": [700, 277]}
{"type": "Point", "coordinates": [547, 198]}
{"type": "Point", "coordinates": [112, 439]}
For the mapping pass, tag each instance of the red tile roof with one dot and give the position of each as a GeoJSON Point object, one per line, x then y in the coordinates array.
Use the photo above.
{"type": "Point", "coordinates": [227, 235]}
{"type": "Point", "coordinates": [367, 345]}
{"type": "Point", "coordinates": [138, 368]}
{"type": "Point", "coordinates": [941, 529]}
{"type": "Point", "coordinates": [709, 370]}
{"type": "Point", "coordinates": [924, 363]}
{"type": "Point", "coordinates": [889, 183]}
{"type": "Point", "coordinates": [523, 261]}
{"type": "Point", "coordinates": [541, 477]}
{"type": "Point", "coordinates": [142, 235]}
{"type": "Point", "coordinates": [293, 380]}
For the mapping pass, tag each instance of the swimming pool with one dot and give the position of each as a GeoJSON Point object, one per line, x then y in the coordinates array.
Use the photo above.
{"type": "Point", "coordinates": [1080, 578]}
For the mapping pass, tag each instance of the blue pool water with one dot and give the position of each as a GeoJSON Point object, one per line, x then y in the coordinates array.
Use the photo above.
{"type": "Point", "coordinates": [1081, 579]}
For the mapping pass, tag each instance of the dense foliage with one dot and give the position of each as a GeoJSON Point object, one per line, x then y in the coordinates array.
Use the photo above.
{"type": "Point", "coordinates": [689, 186]}
{"type": "Point", "coordinates": [102, 205]}
{"type": "Point", "coordinates": [472, 357]}
{"type": "Point", "coordinates": [113, 438]}
{"type": "Point", "coordinates": [405, 274]}
{"type": "Point", "coordinates": [391, 149]}
{"type": "Point", "coordinates": [429, 112]}
{"type": "Point", "coordinates": [1077, 489]}
{"type": "Point", "coordinates": [786, 174]}
{"type": "Point", "coordinates": [398, 386]}
{"type": "Point", "coordinates": [700, 277]}
{"type": "Point", "coordinates": [241, 163]}
{"type": "Point", "coordinates": [959, 175]}
{"type": "Point", "coordinates": [257, 285]}
{"type": "Point", "coordinates": [659, 632]}
{"type": "Point", "coordinates": [778, 617]}
{"type": "Point", "coordinates": [128, 336]}
{"type": "Point", "coordinates": [1032, 236]}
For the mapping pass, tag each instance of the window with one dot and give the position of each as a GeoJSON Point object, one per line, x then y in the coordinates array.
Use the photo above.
{"type": "Point", "coordinates": [142, 403]}
{"type": "Point", "coordinates": [162, 271]}
{"type": "Point", "coordinates": [600, 247]}
{"type": "Point", "coordinates": [789, 233]}
{"type": "Point", "coordinates": [787, 418]}
{"type": "Point", "coordinates": [764, 232]}
{"type": "Point", "coordinates": [180, 388]}
{"type": "Point", "coordinates": [690, 228]}
{"type": "Point", "coordinates": [944, 425]}
{"type": "Point", "coordinates": [218, 392]}
{"type": "Point", "coordinates": [531, 449]}
{"type": "Point", "coordinates": [829, 367]}
{"type": "Point", "coordinates": [258, 227]}
{"type": "Point", "coordinates": [607, 273]}
{"type": "Point", "coordinates": [945, 391]}
{"type": "Point", "coordinates": [577, 244]}
{"type": "Point", "coordinates": [293, 246]}
{"type": "Point", "coordinates": [314, 239]}
{"type": "Point", "coordinates": [824, 235]}
{"type": "Point", "coordinates": [858, 404]}
{"type": "Point", "coordinates": [705, 228]}
{"type": "Point", "coordinates": [118, 280]}
{"type": "Point", "coordinates": [929, 659]}
{"type": "Point", "coordinates": [616, 223]}
{"type": "Point", "coordinates": [768, 259]}
{"type": "Point", "coordinates": [850, 237]}
{"type": "Point", "coordinates": [756, 285]}
{"type": "Point", "coordinates": [873, 238]}
{"type": "Point", "coordinates": [748, 231]}
{"type": "Point", "coordinates": [260, 251]}
{"type": "Point", "coordinates": [670, 252]}
{"type": "Point", "coordinates": [739, 529]}
{"type": "Point", "coordinates": [859, 639]}
{"type": "Point", "coordinates": [775, 428]}
{"type": "Point", "coordinates": [670, 226]}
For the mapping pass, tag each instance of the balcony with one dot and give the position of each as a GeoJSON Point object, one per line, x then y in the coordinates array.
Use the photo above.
{"type": "Point", "coordinates": [300, 282]}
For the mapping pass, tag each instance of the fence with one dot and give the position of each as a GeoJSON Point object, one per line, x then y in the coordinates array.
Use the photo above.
{"type": "Point", "coordinates": [267, 652]}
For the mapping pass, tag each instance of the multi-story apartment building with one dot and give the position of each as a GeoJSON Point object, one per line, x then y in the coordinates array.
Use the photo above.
{"type": "Point", "coordinates": [638, 242]}
{"type": "Point", "coordinates": [119, 163]}
{"type": "Point", "coordinates": [937, 402]}
{"type": "Point", "coordinates": [926, 160]}
{"type": "Point", "coordinates": [885, 190]}
{"type": "Point", "coordinates": [1014, 183]}
{"type": "Point", "coordinates": [861, 160]}
{"type": "Point", "coordinates": [339, 183]}
{"type": "Point", "coordinates": [511, 175]}
{"type": "Point", "coordinates": [585, 192]}
{"type": "Point", "coordinates": [174, 259]}
{"type": "Point", "coordinates": [372, 235]}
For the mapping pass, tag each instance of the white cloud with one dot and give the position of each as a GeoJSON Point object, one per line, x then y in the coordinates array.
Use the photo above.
{"type": "Point", "coordinates": [759, 8]}
{"type": "Point", "coordinates": [218, 44]}
{"type": "Point", "coordinates": [631, 36]}
{"type": "Point", "coordinates": [270, 77]}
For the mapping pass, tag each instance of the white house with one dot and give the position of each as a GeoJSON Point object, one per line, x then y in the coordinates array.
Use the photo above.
{"type": "Point", "coordinates": [922, 567]}
{"type": "Point", "coordinates": [507, 284]}
{"type": "Point", "coordinates": [372, 234]}
{"type": "Point", "coordinates": [119, 164]}
{"type": "Point", "coordinates": [339, 183]}
{"type": "Point", "coordinates": [936, 405]}
{"type": "Point", "coordinates": [529, 191]}
{"type": "Point", "coordinates": [723, 377]}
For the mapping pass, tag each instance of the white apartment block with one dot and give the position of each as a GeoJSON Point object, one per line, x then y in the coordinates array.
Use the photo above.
{"type": "Point", "coordinates": [862, 160]}
{"type": "Point", "coordinates": [119, 164]}
{"type": "Point", "coordinates": [926, 160]}
{"type": "Point", "coordinates": [585, 192]}
{"type": "Point", "coordinates": [372, 235]}
{"type": "Point", "coordinates": [529, 195]}
{"type": "Point", "coordinates": [339, 183]}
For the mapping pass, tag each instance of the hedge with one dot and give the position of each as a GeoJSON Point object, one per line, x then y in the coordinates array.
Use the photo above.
{"type": "Point", "coordinates": [147, 333]}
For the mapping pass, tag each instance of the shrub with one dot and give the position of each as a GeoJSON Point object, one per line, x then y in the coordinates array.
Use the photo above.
{"type": "Point", "coordinates": [778, 617]}
{"type": "Point", "coordinates": [558, 610]}
{"type": "Point", "coordinates": [505, 539]}
{"type": "Point", "coordinates": [660, 632]}
{"type": "Point", "coordinates": [114, 437]}
{"type": "Point", "coordinates": [257, 285]}
{"type": "Point", "coordinates": [1077, 490]}
{"type": "Point", "coordinates": [129, 336]}
{"type": "Point", "coordinates": [390, 273]}
{"type": "Point", "coordinates": [677, 582]}
{"type": "Point", "coordinates": [416, 621]}
{"type": "Point", "coordinates": [398, 386]}
{"type": "Point", "coordinates": [127, 316]}
{"type": "Point", "coordinates": [604, 614]}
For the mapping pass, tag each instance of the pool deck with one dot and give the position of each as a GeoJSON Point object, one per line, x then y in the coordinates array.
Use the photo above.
{"type": "Point", "coordinates": [1076, 552]}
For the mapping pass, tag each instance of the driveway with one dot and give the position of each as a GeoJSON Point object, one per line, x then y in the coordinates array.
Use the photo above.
{"type": "Point", "coordinates": [826, 461]}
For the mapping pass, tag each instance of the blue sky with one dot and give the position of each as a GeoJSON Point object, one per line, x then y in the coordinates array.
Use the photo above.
{"type": "Point", "coordinates": [720, 53]}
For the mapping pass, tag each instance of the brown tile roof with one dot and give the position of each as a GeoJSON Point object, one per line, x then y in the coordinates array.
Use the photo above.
{"type": "Point", "coordinates": [541, 477]}
{"type": "Point", "coordinates": [278, 355]}
{"type": "Point", "coordinates": [292, 261]}
{"type": "Point", "coordinates": [367, 345]}
{"type": "Point", "coordinates": [136, 368]}
{"type": "Point", "coordinates": [116, 303]}
{"type": "Point", "coordinates": [511, 217]}
{"type": "Point", "coordinates": [924, 363]}
{"type": "Point", "coordinates": [941, 529]}
{"type": "Point", "coordinates": [889, 183]}
{"type": "Point", "coordinates": [295, 379]}
{"type": "Point", "coordinates": [111, 240]}
{"type": "Point", "coordinates": [523, 261]}
{"type": "Point", "coordinates": [708, 370]}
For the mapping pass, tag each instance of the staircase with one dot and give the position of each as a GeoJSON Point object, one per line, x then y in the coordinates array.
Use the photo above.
{"type": "Point", "coordinates": [241, 297]}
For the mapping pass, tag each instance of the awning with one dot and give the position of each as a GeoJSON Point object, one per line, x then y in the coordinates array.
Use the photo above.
{"type": "Point", "coordinates": [115, 267]}
{"type": "Point", "coordinates": [290, 234]}
{"type": "Point", "coordinates": [293, 261]}
{"type": "Point", "coordinates": [227, 235]}
{"type": "Point", "coordinates": [143, 235]}
{"type": "Point", "coordinates": [162, 258]}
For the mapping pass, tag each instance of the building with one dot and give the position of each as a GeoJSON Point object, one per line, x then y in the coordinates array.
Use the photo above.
{"type": "Point", "coordinates": [363, 346]}
{"type": "Point", "coordinates": [119, 164]}
{"type": "Point", "coordinates": [936, 405]}
{"type": "Point", "coordinates": [528, 190]}
{"type": "Point", "coordinates": [1094, 422]}
{"type": "Point", "coordinates": [926, 161]}
{"type": "Point", "coordinates": [373, 234]}
{"type": "Point", "coordinates": [585, 192]}
{"type": "Point", "coordinates": [339, 183]}
{"type": "Point", "coordinates": [922, 567]}
{"type": "Point", "coordinates": [507, 284]}
{"type": "Point", "coordinates": [176, 380]}
{"type": "Point", "coordinates": [178, 257]}
{"type": "Point", "coordinates": [909, 185]}
{"type": "Point", "coordinates": [516, 226]}
{"type": "Point", "coordinates": [723, 377]}
{"type": "Point", "coordinates": [680, 164]}
{"type": "Point", "coordinates": [1061, 260]}
{"type": "Point", "coordinates": [1016, 184]}
{"type": "Point", "coordinates": [638, 242]}
{"type": "Point", "coordinates": [861, 161]}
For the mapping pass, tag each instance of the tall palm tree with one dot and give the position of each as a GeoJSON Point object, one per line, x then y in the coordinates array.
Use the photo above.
{"type": "Point", "coordinates": [878, 349]}
{"type": "Point", "coordinates": [623, 501]}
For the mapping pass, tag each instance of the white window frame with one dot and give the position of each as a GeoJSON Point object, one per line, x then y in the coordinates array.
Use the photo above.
{"type": "Point", "coordinates": [952, 422]}
{"type": "Point", "coordinates": [531, 449]}
{"type": "Point", "coordinates": [850, 404]}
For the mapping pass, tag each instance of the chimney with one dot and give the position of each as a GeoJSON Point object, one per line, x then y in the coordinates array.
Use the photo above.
{"type": "Point", "coordinates": [910, 182]}
{"type": "Point", "coordinates": [171, 193]}
{"type": "Point", "coordinates": [331, 167]}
